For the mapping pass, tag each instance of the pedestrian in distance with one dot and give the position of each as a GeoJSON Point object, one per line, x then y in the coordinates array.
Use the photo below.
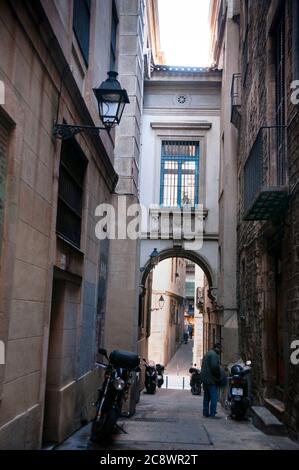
{"type": "Point", "coordinates": [211, 378]}
{"type": "Point", "coordinates": [186, 332]}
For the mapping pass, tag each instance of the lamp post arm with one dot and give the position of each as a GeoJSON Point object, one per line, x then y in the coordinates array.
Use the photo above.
{"type": "Point", "coordinates": [66, 131]}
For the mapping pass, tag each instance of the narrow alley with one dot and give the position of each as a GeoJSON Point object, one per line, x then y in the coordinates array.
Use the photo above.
{"type": "Point", "coordinates": [149, 224]}
{"type": "Point", "coordinates": [172, 420]}
{"type": "Point", "coordinates": [176, 371]}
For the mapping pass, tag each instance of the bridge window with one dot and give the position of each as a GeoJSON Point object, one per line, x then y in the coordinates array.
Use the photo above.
{"type": "Point", "coordinates": [179, 173]}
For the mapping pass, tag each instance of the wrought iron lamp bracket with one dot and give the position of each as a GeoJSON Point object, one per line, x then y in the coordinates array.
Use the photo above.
{"type": "Point", "coordinates": [66, 131]}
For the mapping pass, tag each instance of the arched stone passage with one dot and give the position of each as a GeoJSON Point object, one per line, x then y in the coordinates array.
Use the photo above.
{"type": "Point", "coordinates": [190, 255]}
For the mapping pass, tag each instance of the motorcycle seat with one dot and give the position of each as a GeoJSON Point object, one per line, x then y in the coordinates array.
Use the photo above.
{"type": "Point", "coordinates": [124, 359]}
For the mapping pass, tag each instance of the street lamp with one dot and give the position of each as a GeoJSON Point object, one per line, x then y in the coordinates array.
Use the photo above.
{"type": "Point", "coordinates": [111, 100]}
{"type": "Point", "coordinates": [161, 304]}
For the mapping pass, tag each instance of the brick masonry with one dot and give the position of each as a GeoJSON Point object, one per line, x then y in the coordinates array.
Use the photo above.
{"type": "Point", "coordinates": [261, 244]}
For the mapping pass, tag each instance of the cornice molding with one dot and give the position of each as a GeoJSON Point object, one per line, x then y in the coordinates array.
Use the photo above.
{"type": "Point", "coordinates": [193, 125]}
{"type": "Point", "coordinates": [181, 112]}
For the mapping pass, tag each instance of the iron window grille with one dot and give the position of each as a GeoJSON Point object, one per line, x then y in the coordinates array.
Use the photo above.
{"type": "Point", "coordinates": [245, 57]}
{"type": "Point", "coordinates": [236, 99]}
{"type": "Point", "coordinates": [265, 194]}
{"type": "Point", "coordinates": [280, 100]}
{"type": "Point", "coordinates": [179, 173]}
{"type": "Point", "coordinates": [81, 26]}
{"type": "Point", "coordinates": [70, 192]}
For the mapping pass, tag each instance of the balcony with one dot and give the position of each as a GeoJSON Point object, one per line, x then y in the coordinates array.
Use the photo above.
{"type": "Point", "coordinates": [175, 223]}
{"type": "Point", "coordinates": [265, 175]}
{"type": "Point", "coordinates": [236, 100]}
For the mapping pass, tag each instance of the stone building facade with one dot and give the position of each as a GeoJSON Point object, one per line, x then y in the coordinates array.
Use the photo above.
{"type": "Point", "coordinates": [181, 110]}
{"type": "Point", "coordinates": [225, 56]}
{"type": "Point", "coordinates": [55, 273]}
{"type": "Point", "coordinates": [267, 124]}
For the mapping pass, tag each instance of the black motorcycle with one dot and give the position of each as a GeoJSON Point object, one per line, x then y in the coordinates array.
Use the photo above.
{"type": "Point", "coordinates": [160, 372]}
{"type": "Point", "coordinates": [239, 393]}
{"type": "Point", "coordinates": [151, 377]}
{"type": "Point", "coordinates": [114, 391]}
{"type": "Point", "coordinates": [195, 381]}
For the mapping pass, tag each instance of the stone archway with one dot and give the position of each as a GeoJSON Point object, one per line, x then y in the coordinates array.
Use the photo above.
{"type": "Point", "coordinates": [145, 296]}
{"type": "Point", "coordinates": [187, 254]}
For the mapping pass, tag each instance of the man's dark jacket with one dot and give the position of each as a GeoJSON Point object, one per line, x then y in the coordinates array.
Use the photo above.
{"type": "Point", "coordinates": [210, 369]}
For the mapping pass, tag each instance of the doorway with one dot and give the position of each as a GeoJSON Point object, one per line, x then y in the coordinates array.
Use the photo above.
{"type": "Point", "coordinates": [60, 404]}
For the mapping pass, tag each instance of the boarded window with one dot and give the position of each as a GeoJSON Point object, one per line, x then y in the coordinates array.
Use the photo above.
{"type": "Point", "coordinates": [70, 192]}
{"type": "Point", "coordinates": [81, 25]}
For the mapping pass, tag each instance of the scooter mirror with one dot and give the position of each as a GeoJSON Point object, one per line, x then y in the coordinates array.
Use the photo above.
{"type": "Point", "coordinates": [248, 363]}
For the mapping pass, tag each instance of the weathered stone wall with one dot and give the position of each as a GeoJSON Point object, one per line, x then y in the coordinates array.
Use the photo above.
{"type": "Point", "coordinates": [291, 229]}
{"type": "Point", "coordinates": [49, 374]}
{"type": "Point", "coordinates": [253, 117]}
{"type": "Point", "coordinates": [261, 244]}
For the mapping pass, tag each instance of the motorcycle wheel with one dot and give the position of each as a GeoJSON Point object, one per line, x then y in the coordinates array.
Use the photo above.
{"type": "Point", "coordinates": [151, 388]}
{"type": "Point", "coordinates": [103, 428]}
{"type": "Point", "coordinates": [238, 412]}
{"type": "Point", "coordinates": [196, 389]}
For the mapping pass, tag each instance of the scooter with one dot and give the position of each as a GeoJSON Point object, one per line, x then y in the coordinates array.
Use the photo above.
{"type": "Point", "coordinates": [195, 381]}
{"type": "Point", "coordinates": [239, 392]}
{"type": "Point", "coordinates": [151, 376]}
{"type": "Point", "coordinates": [160, 371]}
{"type": "Point", "coordinates": [114, 391]}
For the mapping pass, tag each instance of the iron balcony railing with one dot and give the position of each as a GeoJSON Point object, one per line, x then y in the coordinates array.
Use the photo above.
{"type": "Point", "coordinates": [245, 56]}
{"type": "Point", "coordinates": [236, 98]}
{"type": "Point", "coordinates": [265, 175]}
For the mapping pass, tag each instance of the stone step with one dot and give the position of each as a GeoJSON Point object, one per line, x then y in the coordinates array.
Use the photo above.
{"type": "Point", "coordinates": [264, 420]}
{"type": "Point", "coordinates": [276, 407]}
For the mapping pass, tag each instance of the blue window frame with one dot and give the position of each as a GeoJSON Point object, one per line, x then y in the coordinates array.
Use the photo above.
{"type": "Point", "coordinates": [179, 173]}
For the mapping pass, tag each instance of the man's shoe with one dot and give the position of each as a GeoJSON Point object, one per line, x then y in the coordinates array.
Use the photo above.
{"type": "Point", "coordinates": [215, 417]}
{"type": "Point", "coordinates": [205, 416]}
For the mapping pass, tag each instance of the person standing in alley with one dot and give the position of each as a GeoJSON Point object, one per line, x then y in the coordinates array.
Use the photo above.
{"type": "Point", "coordinates": [211, 376]}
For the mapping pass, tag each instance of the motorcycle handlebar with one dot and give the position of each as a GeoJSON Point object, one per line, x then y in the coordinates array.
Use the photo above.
{"type": "Point", "coordinates": [101, 365]}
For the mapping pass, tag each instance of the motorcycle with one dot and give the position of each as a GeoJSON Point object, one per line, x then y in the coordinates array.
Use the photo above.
{"type": "Point", "coordinates": [195, 381]}
{"type": "Point", "coordinates": [239, 393]}
{"type": "Point", "coordinates": [151, 376]}
{"type": "Point", "coordinates": [160, 371]}
{"type": "Point", "coordinates": [114, 391]}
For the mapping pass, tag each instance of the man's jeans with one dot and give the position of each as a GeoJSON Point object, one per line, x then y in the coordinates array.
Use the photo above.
{"type": "Point", "coordinates": [210, 399]}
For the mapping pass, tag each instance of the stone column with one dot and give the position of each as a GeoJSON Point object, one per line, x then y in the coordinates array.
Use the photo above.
{"type": "Point", "coordinates": [121, 327]}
